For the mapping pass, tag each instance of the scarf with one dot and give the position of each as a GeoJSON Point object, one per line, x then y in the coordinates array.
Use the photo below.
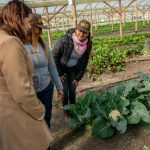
{"type": "Point", "coordinates": [80, 47]}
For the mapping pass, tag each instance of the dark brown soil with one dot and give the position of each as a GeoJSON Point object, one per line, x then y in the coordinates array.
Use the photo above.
{"type": "Point", "coordinates": [134, 139]}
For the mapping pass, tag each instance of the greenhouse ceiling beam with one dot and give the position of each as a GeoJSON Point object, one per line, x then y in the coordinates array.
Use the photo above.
{"type": "Point", "coordinates": [58, 11]}
{"type": "Point", "coordinates": [126, 7]}
{"type": "Point", "coordinates": [43, 3]}
{"type": "Point", "coordinates": [108, 13]}
{"type": "Point", "coordinates": [57, 3]}
{"type": "Point", "coordinates": [120, 12]}
{"type": "Point", "coordinates": [60, 2]}
{"type": "Point", "coordinates": [143, 10]}
{"type": "Point", "coordinates": [81, 11]}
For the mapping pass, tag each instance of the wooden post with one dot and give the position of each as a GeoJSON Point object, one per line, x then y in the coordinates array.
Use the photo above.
{"type": "Point", "coordinates": [95, 20]}
{"type": "Point", "coordinates": [68, 25]}
{"type": "Point", "coordinates": [120, 16]}
{"type": "Point", "coordinates": [49, 33]}
{"type": "Point", "coordinates": [91, 16]}
{"type": "Point", "coordinates": [132, 14]}
{"type": "Point", "coordinates": [63, 24]}
{"type": "Point", "coordinates": [34, 10]}
{"type": "Point", "coordinates": [112, 21]}
{"type": "Point", "coordinates": [143, 13]}
{"type": "Point", "coordinates": [148, 16]}
{"type": "Point", "coordinates": [83, 16]}
{"type": "Point", "coordinates": [56, 25]}
{"type": "Point", "coordinates": [124, 15]}
{"type": "Point", "coordinates": [136, 17]}
{"type": "Point", "coordinates": [119, 12]}
{"type": "Point", "coordinates": [74, 14]}
{"type": "Point", "coordinates": [99, 18]}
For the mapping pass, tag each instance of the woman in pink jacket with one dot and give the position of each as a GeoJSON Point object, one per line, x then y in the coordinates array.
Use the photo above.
{"type": "Point", "coordinates": [21, 114]}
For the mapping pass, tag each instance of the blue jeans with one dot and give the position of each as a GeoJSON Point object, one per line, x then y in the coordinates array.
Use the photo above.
{"type": "Point", "coordinates": [46, 97]}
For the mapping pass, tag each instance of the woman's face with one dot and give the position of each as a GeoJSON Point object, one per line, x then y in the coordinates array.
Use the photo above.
{"type": "Point", "coordinates": [37, 31]}
{"type": "Point", "coordinates": [81, 35]}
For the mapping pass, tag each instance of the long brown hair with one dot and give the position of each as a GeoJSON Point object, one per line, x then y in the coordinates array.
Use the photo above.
{"type": "Point", "coordinates": [1, 20]}
{"type": "Point", "coordinates": [40, 40]}
{"type": "Point", "coordinates": [13, 15]}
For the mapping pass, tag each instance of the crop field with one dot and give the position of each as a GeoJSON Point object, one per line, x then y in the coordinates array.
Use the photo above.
{"type": "Point", "coordinates": [113, 104]}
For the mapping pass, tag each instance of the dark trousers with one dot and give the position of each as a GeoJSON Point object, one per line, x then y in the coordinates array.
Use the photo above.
{"type": "Point", "coordinates": [46, 97]}
{"type": "Point", "coordinates": [69, 88]}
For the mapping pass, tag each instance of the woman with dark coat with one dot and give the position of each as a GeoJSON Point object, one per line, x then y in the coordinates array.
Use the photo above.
{"type": "Point", "coordinates": [71, 55]}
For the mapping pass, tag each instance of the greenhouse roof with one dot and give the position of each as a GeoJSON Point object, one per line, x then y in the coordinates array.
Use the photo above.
{"type": "Point", "coordinates": [52, 3]}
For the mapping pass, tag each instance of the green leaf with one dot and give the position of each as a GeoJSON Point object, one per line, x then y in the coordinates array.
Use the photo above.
{"type": "Point", "coordinates": [113, 122]}
{"type": "Point", "coordinates": [111, 101]}
{"type": "Point", "coordinates": [129, 86]}
{"type": "Point", "coordinates": [92, 96]}
{"type": "Point", "coordinates": [119, 89]}
{"type": "Point", "coordinates": [98, 109]}
{"type": "Point", "coordinates": [134, 118]}
{"type": "Point", "coordinates": [138, 112]}
{"type": "Point", "coordinates": [145, 125]}
{"type": "Point", "coordinates": [124, 89]}
{"type": "Point", "coordinates": [121, 126]}
{"type": "Point", "coordinates": [73, 123]}
{"type": "Point", "coordinates": [142, 96]}
{"type": "Point", "coordinates": [143, 76]}
{"type": "Point", "coordinates": [83, 118]}
{"type": "Point", "coordinates": [146, 148]}
{"type": "Point", "coordinates": [123, 103]}
{"type": "Point", "coordinates": [146, 89]}
{"type": "Point", "coordinates": [146, 83]}
{"type": "Point", "coordinates": [70, 107]}
{"type": "Point", "coordinates": [102, 128]}
{"type": "Point", "coordinates": [145, 115]}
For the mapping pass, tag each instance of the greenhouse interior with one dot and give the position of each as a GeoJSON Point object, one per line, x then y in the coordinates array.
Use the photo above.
{"type": "Point", "coordinates": [112, 111]}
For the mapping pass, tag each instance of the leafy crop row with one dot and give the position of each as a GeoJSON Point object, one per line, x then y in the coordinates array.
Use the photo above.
{"type": "Point", "coordinates": [129, 26]}
{"type": "Point", "coordinates": [101, 30]}
{"type": "Point", "coordinates": [109, 54]}
{"type": "Point", "coordinates": [112, 111]}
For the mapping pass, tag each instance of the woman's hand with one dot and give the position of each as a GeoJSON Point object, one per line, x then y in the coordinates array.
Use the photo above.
{"type": "Point", "coordinates": [75, 82]}
{"type": "Point", "coordinates": [63, 77]}
{"type": "Point", "coordinates": [60, 95]}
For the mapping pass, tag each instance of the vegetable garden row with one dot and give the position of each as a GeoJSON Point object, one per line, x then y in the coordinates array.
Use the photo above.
{"type": "Point", "coordinates": [113, 109]}
{"type": "Point", "coordinates": [104, 30]}
{"type": "Point", "coordinates": [124, 104]}
{"type": "Point", "coordinates": [104, 114]}
{"type": "Point", "coordinates": [109, 54]}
